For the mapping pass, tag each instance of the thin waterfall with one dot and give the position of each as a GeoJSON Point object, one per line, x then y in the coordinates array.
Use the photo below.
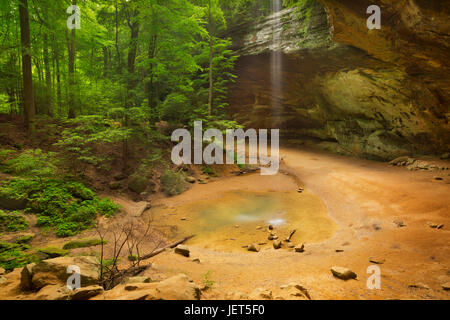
{"type": "Point", "coordinates": [276, 63]}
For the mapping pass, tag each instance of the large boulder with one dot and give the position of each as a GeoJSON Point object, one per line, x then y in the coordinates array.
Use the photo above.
{"type": "Point", "coordinates": [86, 293]}
{"type": "Point", "coordinates": [53, 292]}
{"type": "Point", "coordinates": [54, 272]}
{"type": "Point", "coordinates": [343, 273]}
{"type": "Point", "coordinates": [178, 287]}
{"type": "Point", "coordinates": [11, 203]}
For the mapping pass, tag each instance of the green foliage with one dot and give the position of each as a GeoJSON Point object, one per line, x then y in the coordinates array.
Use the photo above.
{"type": "Point", "coordinates": [83, 243]}
{"type": "Point", "coordinates": [30, 163]}
{"type": "Point", "coordinates": [208, 170]}
{"type": "Point", "coordinates": [15, 255]}
{"type": "Point", "coordinates": [67, 207]}
{"type": "Point", "coordinates": [12, 221]}
{"type": "Point", "coordinates": [207, 282]}
{"type": "Point", "coordinates": [173, 183]}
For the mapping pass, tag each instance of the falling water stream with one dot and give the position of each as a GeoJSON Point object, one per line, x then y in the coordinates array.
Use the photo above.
{"type": "Point", "coordinates": [276, 62]}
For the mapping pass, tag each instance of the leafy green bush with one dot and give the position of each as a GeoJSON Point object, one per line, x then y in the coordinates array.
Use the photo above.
{"type": "Point", "coordinates": [173, 183]}
{"type": "Point", "coordinates": [13, 221]}
{"type": "Point", "coordinates": [66, 207]}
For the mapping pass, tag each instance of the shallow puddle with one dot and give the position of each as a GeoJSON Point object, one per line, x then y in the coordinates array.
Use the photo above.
{"type": "Point", "coordinates": [237, 219]}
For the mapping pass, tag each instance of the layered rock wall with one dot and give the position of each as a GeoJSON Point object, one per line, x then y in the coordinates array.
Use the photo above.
{"type": "Point", "coordinates": [371, 93]}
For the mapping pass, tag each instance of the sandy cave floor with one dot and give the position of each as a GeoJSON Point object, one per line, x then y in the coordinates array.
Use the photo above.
{"type": "Point", "coordinates": [363, 199]}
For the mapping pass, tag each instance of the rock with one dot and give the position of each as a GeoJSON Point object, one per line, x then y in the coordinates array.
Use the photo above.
{"type": "Point", "coordinates": [445, 156]}
{"type": "Point", "coordinates": [53, 292]}
{"type": "Point", "coordinates": [49, 272]}
{"type": "Point", "coordinates": [290, 245]}
{"type": "Point", "coordinates": [53, 252]}
{"type": "Point", "coordinates": [438, 178]}
{"type": "Point", "coordinates": [399, 224]}
{"type": "Point", "coordinates": [236, 295]}
{"type": "Point", "coordinates": [25, 277]}
{"type": "Point", "coordinates": [300, 248]}
{"type": "Point", "coordinates": [183, 219]}
{"type": "Point", "coordinates": [419, 285]}
{"type": "Point", "coordinates": [120, 176]}
{"type": "Point", "coordinates": [2, 271]}
{"type": "Point", "coordinates": [178, 288]}
{"type": "Point", "coordinates": [141, 207]}
{"type": "Point", "coordinates": [261, 294]}
{"type": "Point", "coordinates": [133, 280]}
{"type": "Point", "coordinates": [400, 161]}
{"type": "Point", "coordinates": [435, 225]}
{"type": "Point", "coordinates": [253, 247]}
{"type": "Point", "coordinates": [446, 286]}
{"type": "Point", "coordinates": [183, 250]}
{"type": "Point", "coordinates": [3, 280]}
{"type": "Point", "coordinates": [272, 237]}
{"type": "Point", "coordinates": [196, 260]}
{"type": "Point", "coordinates": [295, 291]}
{"type": "Point", "coordinates": [24, 238]}
{"type": "Point", "coordinates": [270, 227]}
{"type": "Point", "coordinates": [343, 273]}
{"type": "Point", "coordinates": [277, 244]}
{"type": "Point", "coordinates": [377, 260]}
{"type": "Point", "coordinates": [10, 203]}
{"type": "Point", "coordinates": [258, 228]}
{"type": "Point", "coordinates": [86, 293]}
{"type": "Point", "coordinates": [191, 179]}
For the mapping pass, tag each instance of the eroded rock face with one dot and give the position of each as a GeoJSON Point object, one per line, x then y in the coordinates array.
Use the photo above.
{"type": "Point", "coordinates": [370, 93]}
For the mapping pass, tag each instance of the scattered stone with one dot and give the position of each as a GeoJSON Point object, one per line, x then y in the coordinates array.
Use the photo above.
{"type": "Point", "coordinates": [183, 250]}
{"type": "Point", "coordinates": [236, 295]}
{"type": "Point", "coordinates": [270, 227]}
{"type": "Point", "coordinates": [339, 250]}
{"type": "Point", "coordinates": [295, 290]}
{"type": "Point", "coordinates": [86, 293]}
{"type": "Point", "coordinates": [438, 178]}
{"type": "Point", "coordinates": [196, 260]}
{"type": "Point", "coordinates": [446, 286]}
{"type": "Point", "coordinates": [178, 288]}
{"type": "Point", "coordinates": [272, 237]}
{"type": "Point", "coordinates": [435, 225]}
{"type": "Point", "coordinates": [419, 285]}
{"type": "Point", "coordinates": [237, 226]}
{"type": "Point", "coordinates": [400, 161]}
{"type": "Point", "coordinates": [290, 245]}
{"type": "Point", "coordinates": [133, 280]}
{"type": "Point", "coordinates": [201, 181]}
{"type": "Point", "coordinates": [277, 244]}
{"type": "Point", "coordinates": [261, 294]}
{"type": "Point", "coordinates": [253, 247]}
{"type": "Point", "coordinates": [300, 248]}
{"type": "Point", "coordinates": [399, 224]}
{"type": "Point", "coordinates": [343, 273]}
{"type": "Point", "coordinates": [191, 179]}
{"type": "Point", "coordinates": [258, 228]}
{"type": "Point", "coordinates": [377, 260]}
{"type": "Point", "coordinates": [183, 219]}
{"type": "Point", "coordinates": [2, 271]}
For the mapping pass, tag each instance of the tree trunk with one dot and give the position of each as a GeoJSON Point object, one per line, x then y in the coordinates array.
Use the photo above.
{"type": "Point", "coordinates": [210, 98]}
{"type": "Point", "coordinates": [29, 107]}
{"type": "Point", "coordinates": [71, 98]}
{"type": "Point", "coordinates": [48, 78]}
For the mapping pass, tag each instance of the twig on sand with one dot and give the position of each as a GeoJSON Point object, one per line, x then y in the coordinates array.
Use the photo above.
{"type": "Point", "coordinates": [160, 250]}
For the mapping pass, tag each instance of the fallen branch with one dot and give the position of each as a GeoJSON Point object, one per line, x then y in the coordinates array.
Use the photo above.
{"type": "Point", "coordinates": [173, 245]}
{"type": "Point", "coordinates": [288, 239]}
